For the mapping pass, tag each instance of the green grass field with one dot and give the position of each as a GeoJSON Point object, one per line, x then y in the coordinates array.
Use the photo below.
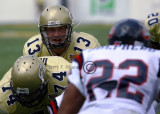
{"type": "Point", "coordinates": [13, 37]}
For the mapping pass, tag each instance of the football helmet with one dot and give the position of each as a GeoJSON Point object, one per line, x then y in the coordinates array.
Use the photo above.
{"type": "Point", "coordinates": [29, 80]}
{"type": "Point", "coordinates": [55, 16]}
{"type": "Point", "coordinates": [129, 31]}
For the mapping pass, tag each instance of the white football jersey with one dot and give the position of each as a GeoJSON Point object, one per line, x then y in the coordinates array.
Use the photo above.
{"type": "Point", "coordinates": [117, 77]}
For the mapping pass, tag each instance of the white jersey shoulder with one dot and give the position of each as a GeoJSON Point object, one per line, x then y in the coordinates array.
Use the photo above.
{"type": "Point", "coordinates": [152, 22]}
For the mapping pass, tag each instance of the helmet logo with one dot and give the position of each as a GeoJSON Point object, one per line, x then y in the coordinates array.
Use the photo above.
{"type": "Point", "coordinates": [53, 22]}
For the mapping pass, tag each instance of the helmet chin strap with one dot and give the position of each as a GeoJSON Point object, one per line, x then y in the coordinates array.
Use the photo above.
{"type": "Point", "coordinates": [60, 45]}
{"type": "Point", "coordinates": [34, 102]}
{"type": "Point", "coordinates": [65, 47]}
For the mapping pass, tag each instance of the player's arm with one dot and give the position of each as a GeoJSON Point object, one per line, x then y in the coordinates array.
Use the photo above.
{"type": "Point", "coordinates": [156, 103]}
{"type": "Point", "coordinates": [68, 105]}
{"type": "Point", "coordinates": [6, 77]}
{"type": "Point", "coordinates": [74, 93]}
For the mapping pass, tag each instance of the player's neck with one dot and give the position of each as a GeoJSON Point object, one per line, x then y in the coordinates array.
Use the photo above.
{"type": "Point", "coordinates": [59, 51]}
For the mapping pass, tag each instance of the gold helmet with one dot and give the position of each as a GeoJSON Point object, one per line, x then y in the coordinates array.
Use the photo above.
{"type": "Point", "coordinates": [29, 80]}
{"type": "Point", "coordinates": [55, 16]}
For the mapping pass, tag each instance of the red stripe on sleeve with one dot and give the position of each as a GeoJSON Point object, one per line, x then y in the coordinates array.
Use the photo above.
{"type": "Point", "coordinates": [53, 107]}
{"type": "Point", "coordinates": [79, 60]}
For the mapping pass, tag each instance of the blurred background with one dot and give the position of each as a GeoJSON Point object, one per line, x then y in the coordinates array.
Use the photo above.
{"type": "Point", "coordinates": [19, 20]}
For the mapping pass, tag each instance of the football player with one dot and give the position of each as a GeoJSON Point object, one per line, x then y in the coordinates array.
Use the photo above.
{"type": "Point", "coordinates": [32, 85]}
{"type": "Point", "coordinates": [56, 37]}
{"type": "Point", "coordinates": [123, 79]}
{"type": "Point", "coordinates": [152, 22]}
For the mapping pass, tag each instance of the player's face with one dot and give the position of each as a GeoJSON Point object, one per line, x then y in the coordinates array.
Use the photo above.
{"type": "Point", "coordinates": [56, 34]}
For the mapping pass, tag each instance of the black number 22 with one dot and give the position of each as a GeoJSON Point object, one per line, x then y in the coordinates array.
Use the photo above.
{"type": "Point", "coordinates": [124, 82]}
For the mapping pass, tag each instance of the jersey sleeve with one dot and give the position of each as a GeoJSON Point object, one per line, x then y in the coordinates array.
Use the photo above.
{"type": "Point", "coordinates": [33, 46]}
{"type": "Point", "coordinates": [75, 73]}
{"type": "Point", "coordinates": [84, 41]}
{"type": "Point", "coordinates": [6, 98]}
{"type": "Point", "coordinates": [152, 22]}
{"type": "Point", "coordinates": [6, 77]}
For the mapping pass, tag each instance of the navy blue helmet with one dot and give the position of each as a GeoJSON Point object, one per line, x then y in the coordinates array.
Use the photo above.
{"type": "Point", "coordinates": [129, 31]}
